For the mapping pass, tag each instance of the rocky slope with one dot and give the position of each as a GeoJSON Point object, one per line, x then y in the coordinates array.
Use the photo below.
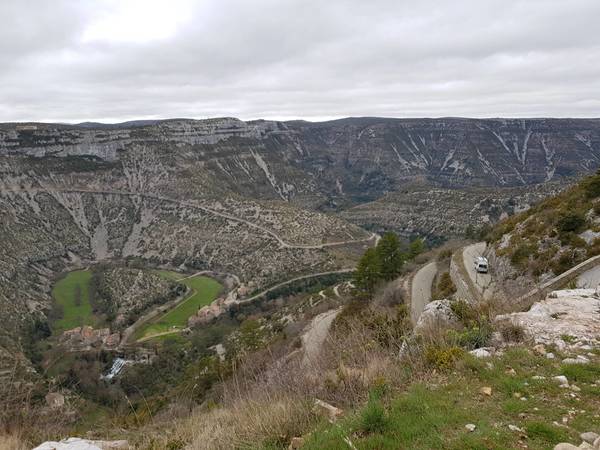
{"type": "Point", "coordinates": [348, 159]}
{"type": "Point", "coordinates": [60, 213]}
{"type": "Point", "coordinates": [438, 213]}
{"type": "Point", "coordinates": [534, 246]}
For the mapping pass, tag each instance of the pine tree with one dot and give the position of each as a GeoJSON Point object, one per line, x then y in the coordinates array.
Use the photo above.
{"type": "Point", "coordinates": [390, 255]}
{"type": "Point", "coordinates": [368, 271]}
{"type": "Point", "coordinates": [417, 246]}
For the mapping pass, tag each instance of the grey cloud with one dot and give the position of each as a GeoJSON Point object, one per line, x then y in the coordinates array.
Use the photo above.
{"type": "Point", "coordinates": [306, 59]}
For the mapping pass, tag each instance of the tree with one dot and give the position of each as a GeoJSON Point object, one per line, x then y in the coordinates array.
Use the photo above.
{"type": "Point", "coordinates": [390, 256]}
{"type": "Point", "coordinates": [416, 247]}
{"type": "Point", "coordinates": [368, 271]}
{"type": "Point", "coordinates": [470, 232]}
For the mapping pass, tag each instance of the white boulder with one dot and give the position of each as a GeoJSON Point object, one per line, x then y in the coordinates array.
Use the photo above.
{"type": "Point", "coordinates": [74, 443]}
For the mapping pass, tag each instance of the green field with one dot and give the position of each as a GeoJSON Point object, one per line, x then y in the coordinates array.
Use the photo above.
{"type": "Point", "coordinates": [203, 291]}
{"type": "Point", "coordinates": [71, 293]}
{"type": "Point", "coordinates": [170, 275]}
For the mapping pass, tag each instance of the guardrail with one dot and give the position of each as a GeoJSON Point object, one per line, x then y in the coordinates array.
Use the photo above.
{"type": "Point", "coordinates": [526, 300]}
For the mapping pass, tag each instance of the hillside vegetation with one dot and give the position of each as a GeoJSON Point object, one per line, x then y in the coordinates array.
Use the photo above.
{"type": "Point", "coordinates": [554, 235]}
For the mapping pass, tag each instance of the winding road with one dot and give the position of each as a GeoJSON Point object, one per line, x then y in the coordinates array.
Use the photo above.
{"type": "Point", "coordinates": [421, 290]}
{"type": "Point", "coordinates": [283, 283]}
{"type": "Point", "coordinates": [373, 237]}
{"type": "Point", "coordinates": [316, 334]}
{"type": "Point", "coordinates": [482, 281]}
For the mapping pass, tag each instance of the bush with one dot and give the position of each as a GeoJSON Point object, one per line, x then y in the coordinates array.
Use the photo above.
{"type": "Point", "coordinates": [522, 254]}
{"type": "Point", "coordinates": [441, 357]}
{"type": "Point", "coordinates": [594, 248]}
{"type": "Point", "coordinates": [473, 337]}
{"type": "Point", "coordinates": [444, 254]}
{"type": "Point", "coordinates": [570, 221]}
{"type": "Point", "coordinates": [591, 186]}
{"type": "Point", "coordinates": [565, 261]}
{"type": "Point", "coordinates": [572, 239]}
{"type": "Point", "coordinates": [512, 332]}
{"type": "Point", "coordinates": [445, 287]}
{"type": "Point", "coordinates": [464, 312]}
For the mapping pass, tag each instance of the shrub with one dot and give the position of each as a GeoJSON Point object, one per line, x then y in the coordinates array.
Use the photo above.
{"type": "Point", "coordinates": [390, 295]}
{"type": "Point", "coordinates": [533, 227]}
{"type": "Point", "coordinates": [565, 261]}
{"type": "Point", "coordinates": [445, 287]}
{"type": "Point", "coordinates": [379, 389]}
{"type": "Point", "coordinates": [591, 186]}
{"type": "Point", "coordinates": [444, 254]}
{"type": "Point", "coordinates": [512, 332]}
{"type": "Point", "coordinates": [473, 337]}
{"type": "Point", "coordinates": [464, 312]}
{"type": "Point", "coordinates": [522, 254]}
{"type": "Point", "coordinates": [594, 248]}
{"type": "Point", "coordinates": [570, 221]}
{"type": "Point", "coordinates": [441, 357]}
{"type": "Point", "coordinates": [572, 239]}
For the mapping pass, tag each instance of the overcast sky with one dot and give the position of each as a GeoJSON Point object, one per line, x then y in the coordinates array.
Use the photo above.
{"type": "Point", "coordinates": [116, 60]}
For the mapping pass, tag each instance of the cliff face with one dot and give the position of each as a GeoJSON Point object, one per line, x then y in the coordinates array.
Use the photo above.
{"type": "Point", "coordinates": [460, 152]}
{"type": "Point", "coordinates": [349, 159]}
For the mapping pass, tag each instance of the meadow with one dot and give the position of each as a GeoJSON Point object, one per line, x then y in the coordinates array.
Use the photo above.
{"type": "Point", "coordinates": [72, 297]}
{"type": "Point", "coordinates": [203, 290]}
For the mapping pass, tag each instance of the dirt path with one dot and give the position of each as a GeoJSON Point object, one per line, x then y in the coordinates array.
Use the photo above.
{"type": "Point", "coordinates": [373, 237]}
{"type": "Point", "coordinates": [315, 336]}
{"type": "Point", "coordinates": [421, 289]}
{"type": "Point", "coordinates": [153, 313]}
{"type": "Point", "coordinates": [336, 290]}
{"type": "Point", "coordinates": [164, 333]}
{"type": "Point", "coordinates": [303, 277]}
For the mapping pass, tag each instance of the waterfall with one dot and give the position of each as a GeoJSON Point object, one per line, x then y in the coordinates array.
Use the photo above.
{"type": "Point", "coordinates": [116, 368]}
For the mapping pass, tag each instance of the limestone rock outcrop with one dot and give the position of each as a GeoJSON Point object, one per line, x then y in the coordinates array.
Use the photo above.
{"type": "Point", "coordinates": [74, 443]}
{"type": "Point", "coordinates": [437, 315]}
{"type": "Point", "coordinates": [574, 313]}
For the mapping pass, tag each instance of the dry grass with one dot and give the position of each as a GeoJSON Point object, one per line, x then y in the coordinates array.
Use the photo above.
{"type": "Point", "coordinates": [24, 418]}
{"type": "Point", "coordinates": [248, 422]}
{"type": "Point", "coordinates": [269, 399]}
{"type": "Point", "coordinates": [12, 442]}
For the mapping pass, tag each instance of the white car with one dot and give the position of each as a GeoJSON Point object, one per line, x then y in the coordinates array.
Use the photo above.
{"type": "Point", "coordinates": [481, 264]}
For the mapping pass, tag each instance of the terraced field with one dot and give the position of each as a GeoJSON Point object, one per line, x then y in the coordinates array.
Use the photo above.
{"type": "Point", "coordinates": [71, 294]}
{"type": "Point", "coordinates": [203, 291]}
